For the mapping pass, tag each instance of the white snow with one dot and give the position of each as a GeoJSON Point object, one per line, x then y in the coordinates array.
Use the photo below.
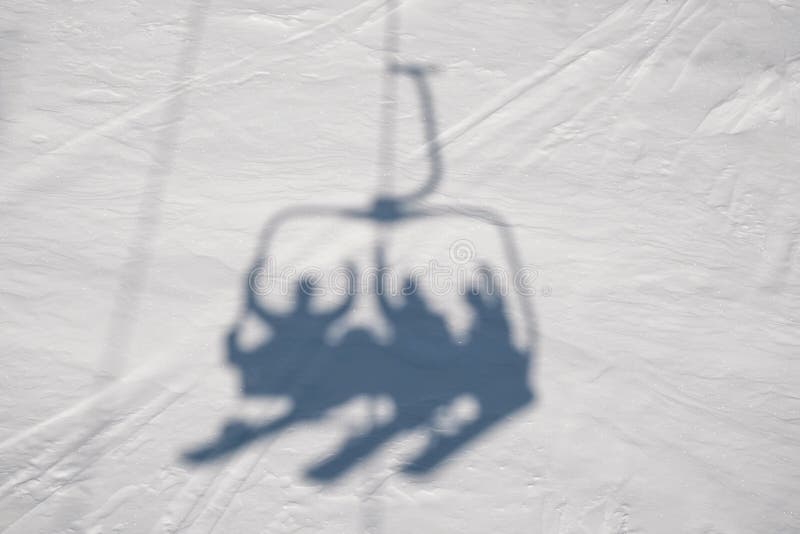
{"type": "Point", "coordinates": [643, 156]}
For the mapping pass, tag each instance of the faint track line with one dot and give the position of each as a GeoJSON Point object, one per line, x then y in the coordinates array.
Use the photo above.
{"type": "Point", "coordinates": [569, 55]}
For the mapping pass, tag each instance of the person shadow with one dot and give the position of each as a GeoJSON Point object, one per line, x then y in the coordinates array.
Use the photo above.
{"type": "Point", "coordinates": [423, 370]}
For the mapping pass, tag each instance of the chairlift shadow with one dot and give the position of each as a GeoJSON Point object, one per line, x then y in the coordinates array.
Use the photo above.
{"type": "Point", "coordinates": [423, 370]}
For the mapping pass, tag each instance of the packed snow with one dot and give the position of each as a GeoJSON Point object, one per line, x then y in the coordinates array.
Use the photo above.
{"type": "Point", "coordinates": [222, 224]}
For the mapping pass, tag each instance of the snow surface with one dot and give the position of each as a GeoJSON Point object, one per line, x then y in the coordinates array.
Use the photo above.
{"type": "Point", "coordinates": [642, 155]}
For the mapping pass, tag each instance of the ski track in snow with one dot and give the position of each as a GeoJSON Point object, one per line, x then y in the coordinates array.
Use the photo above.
{"type": "Point", "coordinates": [76, 442]}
